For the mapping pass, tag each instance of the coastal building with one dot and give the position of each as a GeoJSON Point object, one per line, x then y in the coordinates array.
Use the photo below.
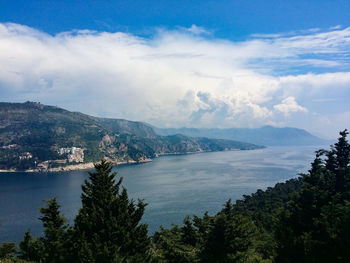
{"type": "Point", "coordinates": [25, 156]}
{"type": "Point", "coordinates": [74, 154]}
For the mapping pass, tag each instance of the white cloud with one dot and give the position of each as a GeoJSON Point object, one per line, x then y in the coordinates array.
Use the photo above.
{"type": "Point", "coordinates": [335, 27]}
{"type": "Point", "coordinates": [174, 78]}
{"type": "Point", "coordinates": [288, 106]}
{"type": "Point", "coordinates": [197, 30]}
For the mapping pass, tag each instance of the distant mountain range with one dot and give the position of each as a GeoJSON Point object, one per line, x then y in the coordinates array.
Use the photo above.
{"type": "Point", "coordinates": [267, 135]}
{"type": "Point", "coordinates": [35, 137]}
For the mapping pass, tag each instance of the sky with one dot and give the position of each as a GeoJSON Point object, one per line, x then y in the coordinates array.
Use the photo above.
{"type": "Point", "coordinates": [243, 63]}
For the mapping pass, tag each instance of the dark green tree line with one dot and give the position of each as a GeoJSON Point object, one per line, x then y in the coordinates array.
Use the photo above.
{"type": "Point", "coordinates": [315, 225]}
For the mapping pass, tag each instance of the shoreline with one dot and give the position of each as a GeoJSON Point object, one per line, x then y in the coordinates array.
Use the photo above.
{"type": "Point", "coordinates": [90, 165]}
{"type": "Point", "coordinates": [74, 167]}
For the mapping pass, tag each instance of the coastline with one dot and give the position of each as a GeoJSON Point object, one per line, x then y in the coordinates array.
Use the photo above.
{"type": "Point", "coordinates": [74, 167]}
{"type": "Point", "coordinates": [90, 165]}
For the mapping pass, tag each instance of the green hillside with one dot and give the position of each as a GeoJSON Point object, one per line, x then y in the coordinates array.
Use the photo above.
{"type": "Point", "coordinates": [33, 135]}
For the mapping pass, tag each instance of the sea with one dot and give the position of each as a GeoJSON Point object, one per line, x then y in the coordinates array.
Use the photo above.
{"type": "Point", "coordinates": [172, 186]}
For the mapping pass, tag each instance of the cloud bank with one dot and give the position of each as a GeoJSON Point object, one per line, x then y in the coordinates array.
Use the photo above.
{"type": "Point", "coordinates": [184, 77]}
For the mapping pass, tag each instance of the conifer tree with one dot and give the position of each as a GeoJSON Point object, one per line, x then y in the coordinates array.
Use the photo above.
{"type": "Point", "coordinates": [177, 244]}
{"type": "Point", "coordinates": [53, 247]}
{"type": "Point", "coordinates": [7, 250]}
{"type": "Point", "coordinates": [315, 226]}
{"type": "Point", "coordinates": [29, 248]}
{"type": "Point", "coordinates": [189, 233]}
{"type": "Point", "coordinates": [54, 242]}
{"type": "Point", "coordinates": [107, 227]}
{"type": "Point", "coordinates": [230, 239]}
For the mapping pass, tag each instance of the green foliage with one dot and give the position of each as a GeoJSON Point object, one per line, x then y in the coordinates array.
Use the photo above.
{"type": "Point", "coordinates": [226, 237]}
{"type": "Point", "coordinates": [315, 225]}
{"type": "Point", "coordinates": [54, 242]}
{"type": "Point", "coordinates": [30, 248]}
{"type": "Point", "coordinates": [7, 250]}
{"type": "Point", "coordinates": [229, 239]}
{"type": "Point", "coordinates": [178, 244]}
{"type": "Point", "coordinates": [107, 227]}
{"type": "Point", "coordinates": [263, 206]}
{"type": "Point", "coordinates": [53, 247]}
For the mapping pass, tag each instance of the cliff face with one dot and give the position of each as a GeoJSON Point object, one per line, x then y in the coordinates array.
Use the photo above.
{"type": "Point", "coordinates": [33, 135]}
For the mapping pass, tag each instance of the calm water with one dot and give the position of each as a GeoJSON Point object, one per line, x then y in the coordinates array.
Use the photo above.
{"type": "Point", "coordinates": [173, 186]}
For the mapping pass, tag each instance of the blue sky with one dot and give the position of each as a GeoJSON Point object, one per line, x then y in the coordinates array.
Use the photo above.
{"type": "Point", "coordinates": [183, 63]}
{"type": "Point", "coordinates": [230, 19]}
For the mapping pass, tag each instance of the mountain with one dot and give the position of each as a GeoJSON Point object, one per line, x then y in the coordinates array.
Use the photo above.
{"type": "Point", "coordinates": [36, 136]}
{"type": "Point", "coordinates": [267, 135]}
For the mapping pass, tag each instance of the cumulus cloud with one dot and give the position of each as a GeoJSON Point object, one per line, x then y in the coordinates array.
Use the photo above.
{"type": "Point", "coordinates": [177, 78]}
{"type": "Point", "coordinates": [197, 30]}
{"type": "Point", "coordinates": [288, 106]}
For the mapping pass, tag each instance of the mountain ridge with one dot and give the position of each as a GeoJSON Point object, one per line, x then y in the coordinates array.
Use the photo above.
{"type": "Point", "coordinates": [35, 137]}
{"type": "Point", "coordinates": [266, 135]}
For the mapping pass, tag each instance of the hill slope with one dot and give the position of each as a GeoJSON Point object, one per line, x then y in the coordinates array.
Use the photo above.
{"type": "Point", "coordinates": [33, 135]}
{"type": "Point", "coordinates": [267, 135]}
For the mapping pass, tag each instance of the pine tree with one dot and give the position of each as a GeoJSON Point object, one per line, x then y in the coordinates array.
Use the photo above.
{"type": "Point", "coordinates": [7, 250]}
{"type": "Point", "coordinates": [315, 227]}
{"type": "Point", "coordinates": [189, 233]}
{"type": "Point", "coordinates": [30, 249]}
{"type": "Point", "coordinates": [230, 239]}
{"type": "Point", "coordinates": [54, 242]}
{"type": "Point", "coordinates": [177, 244]}
{"type": "Point", "coordinates": [53, 247]}
{"type": "Point", "coordinates": [107, 227]}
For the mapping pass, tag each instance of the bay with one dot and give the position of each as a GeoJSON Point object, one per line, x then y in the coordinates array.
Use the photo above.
{"type": "Point", "coordinates": [173, 186]}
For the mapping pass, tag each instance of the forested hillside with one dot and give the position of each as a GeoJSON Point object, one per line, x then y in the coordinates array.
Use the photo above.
{"type": "Point", "coordinates": [36, 136]}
